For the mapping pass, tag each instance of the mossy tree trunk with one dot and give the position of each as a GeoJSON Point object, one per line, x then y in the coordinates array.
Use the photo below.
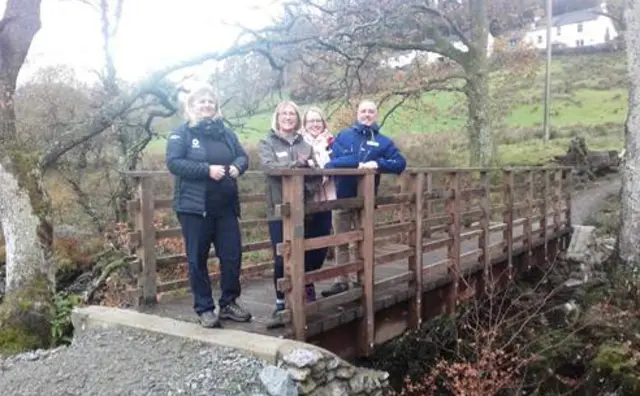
{"type": "Point", "coordinates": [629, 235]}
{"type": "Point", "coordinates": [27, 309]}
{"type": "Point", "coordinates": [481, 147]}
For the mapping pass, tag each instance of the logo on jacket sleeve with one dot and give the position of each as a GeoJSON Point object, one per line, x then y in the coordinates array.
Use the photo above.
{"type": "Point", "coordinates": [195, 143]}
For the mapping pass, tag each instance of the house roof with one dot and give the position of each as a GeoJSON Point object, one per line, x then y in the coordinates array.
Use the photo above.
{"type": "Point", "coordinates": [572, 17]}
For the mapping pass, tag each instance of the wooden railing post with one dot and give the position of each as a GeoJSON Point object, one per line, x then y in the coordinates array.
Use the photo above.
{"type": "Point", "coordinates": [415, 261]}
{"type": "Point", "coordinates": [452, 208]}
{"type": "Point", "coordinates": [484, 241]}
{"type": "Point", "coordinates": [545, 212]}
{"type": "Point", "coordinates": [508, 219]}
{"type": "Point", "coordinates": [293, 236]}
{"type": "Point", "coordinates": [366, 278]}
{"type": "Point", "coordinates": [146, 250]}
{"type": "Point", "coordinates": [402, 214]}
{"type": "Point", "coordinates": [567, 175]}
{"type": "Point", "coordinates": [428, 210]}
{"type": "Point", "coordinates": [557, 197]}
{"type": "Point", "coordinates": [527, 227]}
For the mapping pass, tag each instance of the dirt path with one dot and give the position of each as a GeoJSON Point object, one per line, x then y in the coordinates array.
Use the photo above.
{"type": "Point", "coordinates": [588, 201]}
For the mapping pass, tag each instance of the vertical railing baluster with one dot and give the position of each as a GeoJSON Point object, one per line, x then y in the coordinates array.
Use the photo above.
{"type": "Point", "coordinates": [568, 185]}
{"type": "Point", "coordinates": [557, 212]}
{"type": "Point", "coordinates": [428, 210]}
{"type": "Point", "coordinates": [402, 214]}
{"type": "Point", "coordinates": [415, 261]}
{"type": "Point", "coordinates": [293, 236]}
{"type": "Point", "coordinates": [147, 281]}
{"type": "Point", "coordinates": [527, 227]}
{"type": "Point", "coordinates": [508, 218]}
{"type": "Point", "coordinates": [366, 187]}
{"type": "Point", "coordinates": [453, 208]}
{"type": "Point", "coordinates": [545, 212]}
{"type": "Point", "coordinates": [484, 241]}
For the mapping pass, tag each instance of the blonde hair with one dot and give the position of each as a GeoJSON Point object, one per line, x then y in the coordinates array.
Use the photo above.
{"type": "Point", "coordinates": [317, 111]}
{"type": "Point", "coordinates": [197, 93]}
{"type": "Point", "coordinates": [274, 120]}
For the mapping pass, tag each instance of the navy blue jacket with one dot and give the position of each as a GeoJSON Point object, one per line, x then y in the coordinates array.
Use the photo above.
{"type": "Point", "coordinates": [188, 158]}
{"type": "Point", "coordinates": [360, 143]}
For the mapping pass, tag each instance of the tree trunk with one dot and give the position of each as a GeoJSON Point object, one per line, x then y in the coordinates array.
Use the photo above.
{"type": "Point", "coordinates": [629, 235]}
{"type": "Point", "coordinates": [481, 148]}
{"type": "Point", "coordinates": [27, 310]}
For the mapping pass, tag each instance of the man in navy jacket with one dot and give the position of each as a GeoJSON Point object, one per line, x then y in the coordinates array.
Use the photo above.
{"type": "Point", "coordinates": [359, 146]}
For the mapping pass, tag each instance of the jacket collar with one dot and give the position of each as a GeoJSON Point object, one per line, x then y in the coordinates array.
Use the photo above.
{"type": "Point", "coordinates": [209, 127]}
{"type": "Point", "coordinates": [279, 136]}
{"type": "Point", "coordinates": [368, 131]}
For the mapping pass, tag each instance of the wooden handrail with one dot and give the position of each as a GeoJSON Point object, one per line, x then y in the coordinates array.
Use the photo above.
{"type": "Point", "coordinates": [437, 209]}
{"type": "Point", "coordinates": [360, 172]}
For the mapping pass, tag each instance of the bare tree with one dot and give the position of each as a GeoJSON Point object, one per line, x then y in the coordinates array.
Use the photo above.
{"type": "Point", "coordinates": [629, 235]}
{"type": "Point", "coordinates": [359, 35]}
{"type": "Point", "coordinates": [27, 309]}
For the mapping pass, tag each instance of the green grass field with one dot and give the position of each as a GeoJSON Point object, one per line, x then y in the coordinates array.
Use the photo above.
{"type": "Point", "coordinates": [589, 98]}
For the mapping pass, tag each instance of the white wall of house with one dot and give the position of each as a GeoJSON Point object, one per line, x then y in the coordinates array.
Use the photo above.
{"type": "Point", "coordinates": [593, 32]}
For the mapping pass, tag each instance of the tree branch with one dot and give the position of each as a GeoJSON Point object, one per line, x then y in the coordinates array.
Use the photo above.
{"type": "Point", "coordinates": [96, 123]}
{"type": "Point", "coordinates": [450, 23]}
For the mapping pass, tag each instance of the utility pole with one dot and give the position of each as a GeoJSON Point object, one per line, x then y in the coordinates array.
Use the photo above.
{"type": "Point", "coordinates": [547, 83]}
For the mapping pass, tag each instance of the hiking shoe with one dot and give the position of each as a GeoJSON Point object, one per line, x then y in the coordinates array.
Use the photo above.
{"type": "Point", "coordinates": [276, 320]}
{"type": "Point", "coordinates": [234, 312]}
{"type": "Point", "coordinates": [209, 320]}
{"type": "Point", "coordinates": [336, 288]}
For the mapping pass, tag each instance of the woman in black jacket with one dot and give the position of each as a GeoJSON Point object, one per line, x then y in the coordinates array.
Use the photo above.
{"type": "Point", "coordinates": [206, 158]}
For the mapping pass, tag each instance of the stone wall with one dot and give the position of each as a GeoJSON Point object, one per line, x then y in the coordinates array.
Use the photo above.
{"type": "Point", "coordinates": [316, 372]}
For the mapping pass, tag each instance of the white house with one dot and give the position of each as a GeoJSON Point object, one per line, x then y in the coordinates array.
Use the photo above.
{"type": "Point", "coordinates": [573, 29]}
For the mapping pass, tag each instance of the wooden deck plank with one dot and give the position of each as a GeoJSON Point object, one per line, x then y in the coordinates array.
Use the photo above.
{"type": "Point", "coordinates": [258, 295]}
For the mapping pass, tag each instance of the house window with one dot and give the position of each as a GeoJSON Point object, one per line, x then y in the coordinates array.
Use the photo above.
{"type": "Point", "coordinates": [539, 39]}
{"type": "Point", "coordinates": [607, 35]}
{"type": "Point", "coordinates": [579, 28]}
{"type": "Point", "coordinates": [579, 43]}
{"type": "Point", "coordinates": [558, 31]}
{"type": "Point", "coordinates": [513, 42]}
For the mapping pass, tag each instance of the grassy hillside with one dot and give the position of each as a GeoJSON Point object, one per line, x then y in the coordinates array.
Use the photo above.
{"type": "Point", "coordinates": [589, 98]}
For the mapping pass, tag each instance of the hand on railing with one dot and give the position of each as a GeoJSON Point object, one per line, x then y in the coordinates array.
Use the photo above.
{"type": "Point", "coordinates": [368, 165]}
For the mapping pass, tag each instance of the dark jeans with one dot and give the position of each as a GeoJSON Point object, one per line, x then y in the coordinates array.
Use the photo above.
{"type": "Point", "coordinates": [317, 225]}
{"type": "Point", "coordinates": [223, 231]}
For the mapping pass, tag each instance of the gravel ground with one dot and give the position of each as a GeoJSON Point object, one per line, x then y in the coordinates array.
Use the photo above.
{"type": "Point", "coordinates": [114, 361]}
{"type": "Point", "coordinates": [588, 201]}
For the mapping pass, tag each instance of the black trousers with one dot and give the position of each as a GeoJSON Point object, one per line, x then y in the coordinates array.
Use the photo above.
{"type": "Point", "coordinates": [223, 230]}
{"type": "Point", "coordinates": [316, 225]}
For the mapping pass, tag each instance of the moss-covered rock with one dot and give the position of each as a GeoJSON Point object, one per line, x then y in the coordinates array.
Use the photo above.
{"type": "Point", "coordinates": [620, 360]}
{"type": "Point", "coordinates": [25, 317]}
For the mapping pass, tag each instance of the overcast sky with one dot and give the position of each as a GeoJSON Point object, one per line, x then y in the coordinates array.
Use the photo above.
{"type": "Point", "coordinates": [153, 33]}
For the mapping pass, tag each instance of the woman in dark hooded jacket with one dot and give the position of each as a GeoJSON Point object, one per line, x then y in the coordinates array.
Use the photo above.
{"type": "Point", "coordinates": [206, 158]}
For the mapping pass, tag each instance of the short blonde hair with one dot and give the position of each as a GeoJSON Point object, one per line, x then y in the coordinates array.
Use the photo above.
{"type": "Point", "coordinates": [197, 93]}
{"type": "Point", "coordinates": [274, 121]}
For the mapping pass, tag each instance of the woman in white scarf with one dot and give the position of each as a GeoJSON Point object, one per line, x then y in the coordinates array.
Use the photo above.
{"type": "Point", "coordinates": [317, 134]}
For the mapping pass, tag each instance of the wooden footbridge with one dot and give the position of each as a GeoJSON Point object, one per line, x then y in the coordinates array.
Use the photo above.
{"type": "Point", "coordinates": [431, 239]}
